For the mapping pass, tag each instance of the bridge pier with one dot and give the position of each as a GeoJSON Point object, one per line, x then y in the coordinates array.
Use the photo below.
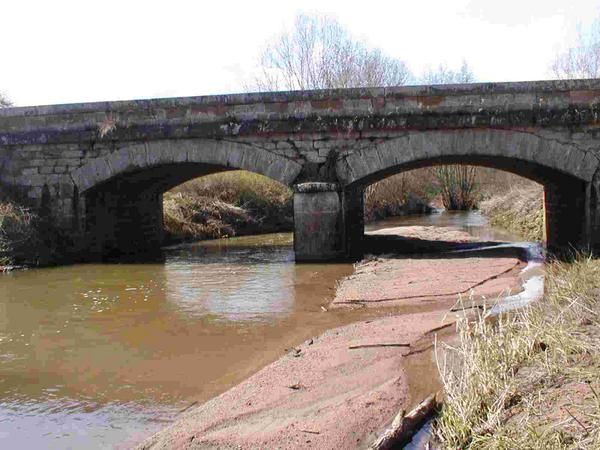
{"type": "Point", "coordinates": [354, 221]}
{"type": "Point", "coordinates": [593, 214]}
{"type": "Point", "coordinates": [328, 222]}
{"type": "Point", "coordinates": [567, 224]}
{"type": "Point", "coordinates": [318, 222]}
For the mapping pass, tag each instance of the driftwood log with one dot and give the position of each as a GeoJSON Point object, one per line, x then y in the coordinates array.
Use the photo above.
{"type": "Point", "coordinates": [405, 426]}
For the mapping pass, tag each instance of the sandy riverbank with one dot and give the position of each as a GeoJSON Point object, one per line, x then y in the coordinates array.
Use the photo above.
{"type": "Point", "coordinates": [332, 391]}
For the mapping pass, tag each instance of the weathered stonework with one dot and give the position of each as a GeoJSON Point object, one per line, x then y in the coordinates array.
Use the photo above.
{"type": "Point", "coordinates": [100, 168]}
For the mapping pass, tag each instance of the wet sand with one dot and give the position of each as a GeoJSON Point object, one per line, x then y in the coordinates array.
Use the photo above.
{"type": "Point", "coordinates": [324, 394]}
{"type": "Point", "coordinates": [393, 280]}
{"type": "Point", "coordinates": [341, 389]}
{"type": "Point", "coordinates": [441, 279]}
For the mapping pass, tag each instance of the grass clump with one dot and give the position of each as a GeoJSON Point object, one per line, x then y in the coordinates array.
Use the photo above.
{"type": "Point", "coordinates": [192, 217]}
{"type": "Point", "coordinates": [529, 379]}
{"type": "Point", "coordinates": [227, 204]}
{"type": "Point", "coordinates": [20, 241]}
{"type": "Point", "coordinates": [520, 210]}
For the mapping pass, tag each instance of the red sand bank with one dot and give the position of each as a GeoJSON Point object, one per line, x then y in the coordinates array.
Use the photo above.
{"type": "Point", "coordinates": [323, 395]}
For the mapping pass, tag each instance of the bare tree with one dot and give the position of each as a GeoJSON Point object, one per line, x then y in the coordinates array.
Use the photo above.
{"type": "Point", "coordinates": [457, 183]}
{"type": "Point", "coordinates": [4, 101]}
{"type": "Point", "coordinates": [583, 59]}
{"type": "Point", "coordinates": [444, 75]}
{"type": "Point", "coordinates": [319, 53]}
{"type": "Point", "coordinates": [457, 186]}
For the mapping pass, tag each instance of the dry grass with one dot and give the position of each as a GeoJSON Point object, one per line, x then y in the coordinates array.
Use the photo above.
{"type": "Point", "coordinates": [404, 193]}
{"type": "Point", "coordinates": [239, 188]}
{"type": "Point", "coordinates": [528, 380]}
{"type": "Point", "coordinates": [227, 204]}
{"type": "Point", "coordinates": [519, 210]}
{"type": "Point", "coordinates": [19, 238]}
{"type": "Point", "coordinates": [191, 217]}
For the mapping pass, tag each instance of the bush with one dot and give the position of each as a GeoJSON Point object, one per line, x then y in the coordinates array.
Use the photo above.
{"type": "Point", "coordinates": [404, 193]}
{"type": "Point", "coordinates": [20, 241]}
{"type": "Point", "coordinates": [227, 204]}
{"type": "Point", "coordinates": [458, 187]}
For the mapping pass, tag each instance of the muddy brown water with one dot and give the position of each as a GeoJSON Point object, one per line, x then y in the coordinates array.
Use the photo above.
{"type": "Point", "coordinates": [98, 356]}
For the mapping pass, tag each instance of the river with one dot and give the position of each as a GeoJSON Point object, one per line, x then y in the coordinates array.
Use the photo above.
{"type": "Point", "coordinates": [101, 355]}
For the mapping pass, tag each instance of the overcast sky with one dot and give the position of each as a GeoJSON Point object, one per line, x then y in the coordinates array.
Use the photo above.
{"type": "Point", "coordinates": [63, 51]}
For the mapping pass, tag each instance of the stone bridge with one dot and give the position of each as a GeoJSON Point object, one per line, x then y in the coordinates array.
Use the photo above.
{"type": "Point", "coordinates": [98, 170]}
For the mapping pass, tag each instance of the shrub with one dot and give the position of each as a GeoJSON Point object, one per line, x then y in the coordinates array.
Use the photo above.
{"type": "Point", "coordinates": [20, 241]}
{"type": "Point", "coordinates": [227, 204]}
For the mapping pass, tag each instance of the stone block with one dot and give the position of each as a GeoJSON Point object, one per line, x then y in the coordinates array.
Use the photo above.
{"type": "Point", "coordinates": [29, 171]}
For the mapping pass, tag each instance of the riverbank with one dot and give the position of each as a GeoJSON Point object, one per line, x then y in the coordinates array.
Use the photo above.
{"type": "Point", "coordinates": [338, 390]}
{"type": "Point", "coordinates": [226, 204]}
{"type": "Point", "coordinates": [528, 380]}
{"type": "Point", "coordinates": [519, 210]}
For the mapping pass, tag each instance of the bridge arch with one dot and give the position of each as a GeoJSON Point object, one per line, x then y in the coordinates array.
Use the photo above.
{"type": "Point", "coordinates": [521, 152]}
{"type": "Point", "coordinates": [565, 171]}
{"type": "Point", "coordinates": [120, 194]}
{"type": "Point", "coordinates": [139, 157]}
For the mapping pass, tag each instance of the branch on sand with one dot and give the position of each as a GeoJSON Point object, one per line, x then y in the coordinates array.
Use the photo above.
{"type": "Point", "coordinates": [404, 427]}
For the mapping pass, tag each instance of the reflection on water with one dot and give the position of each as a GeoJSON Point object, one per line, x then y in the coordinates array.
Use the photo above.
{"type": "Point", "coordinates": [94, 355]}
{"type": "Point", "coordinates": [263, 287]}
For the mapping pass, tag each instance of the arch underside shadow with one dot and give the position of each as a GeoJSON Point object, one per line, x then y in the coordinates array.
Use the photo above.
{"type": "Point", "coordinates": [122, 191]}
{"type": "Point", "coordinates": [123, 216]}
{"type": "Point", "coordinates": [568, 215]}
{"type": "Point", "coordinates": [565, 197]}
{"type": "Point", "coordinates": [526, 169]}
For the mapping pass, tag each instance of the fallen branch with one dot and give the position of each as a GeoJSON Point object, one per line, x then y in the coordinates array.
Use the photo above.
{"type": "Point", "coordinates": [419, 350]}
{"type": "Point", "coordinates": [466, 307]}
{"type": "Point", "coordinates": [353, 347]}
{"type": "Point", "coordinates": [194, 403]}
{"type": "Point", "coordinates": [404, 427]}
{"type": "Point", "coordinates": [433, 330]}
{"type": "Point", "coordinates": [311, 432]}
{"type": "Point", "coordinates": [577, 420]}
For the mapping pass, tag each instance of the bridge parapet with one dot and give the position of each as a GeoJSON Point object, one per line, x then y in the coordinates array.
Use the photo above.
{"type": "Point", "coordinates": [308, 114]}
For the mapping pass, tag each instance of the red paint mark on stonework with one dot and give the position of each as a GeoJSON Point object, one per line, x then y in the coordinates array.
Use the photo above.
{"type": "Point", "coordinates": [314, 223]}
{"type": "Point", "coordinates": [277, 107]}
{"type": "Point", "coordinates": [330, 103]}
{"type": "Point", "coordinates": [430, 100]}
{"type": "Point", "coordinates": [587, 96]}
{"type": "Point", "coordinates": [378, 103]}
{"type": "Point", "coordinates": [172, 113]}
